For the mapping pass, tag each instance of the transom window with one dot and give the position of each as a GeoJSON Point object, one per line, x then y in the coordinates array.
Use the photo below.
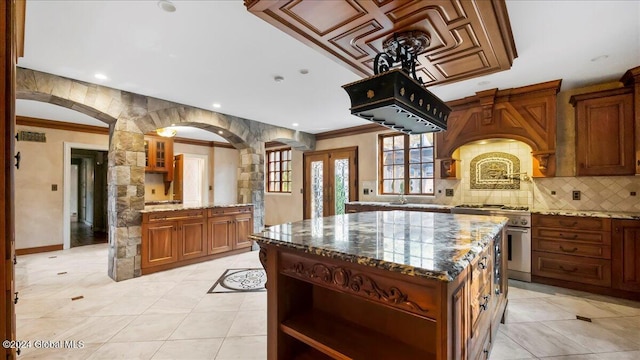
{"type": "Point", "coordinates": [406, 165]}
{"type": "Point", "coordinates": [279, 170]}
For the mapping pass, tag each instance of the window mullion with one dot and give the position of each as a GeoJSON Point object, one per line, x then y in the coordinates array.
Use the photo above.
{"type": "Point", "coordinates": [406, 164]}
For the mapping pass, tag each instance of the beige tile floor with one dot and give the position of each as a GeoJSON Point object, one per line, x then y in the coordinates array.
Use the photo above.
{"type": "Point", "coordinates": [169, 315]}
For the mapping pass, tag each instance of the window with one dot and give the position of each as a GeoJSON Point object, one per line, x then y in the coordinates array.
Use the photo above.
{"type": "Point", "coordinates": [406, 165]}
{"type": "Point", "coordinates": [279, 170]}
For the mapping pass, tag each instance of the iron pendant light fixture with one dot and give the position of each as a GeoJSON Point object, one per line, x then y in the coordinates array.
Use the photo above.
{"type": "Point", "coordinates": [396, 98]}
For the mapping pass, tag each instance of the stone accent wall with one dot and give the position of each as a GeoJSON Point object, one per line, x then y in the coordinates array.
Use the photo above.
{"type": "Point", "coordinates": [130, 116]}
{"type": "Point", "coordinates": [251, 182]}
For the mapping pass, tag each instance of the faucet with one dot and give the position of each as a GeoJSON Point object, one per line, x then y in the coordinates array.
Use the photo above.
{"type": "Point", "coordinates": [525, 176]}
{"type": "Point", "coordinates": [402, 200]}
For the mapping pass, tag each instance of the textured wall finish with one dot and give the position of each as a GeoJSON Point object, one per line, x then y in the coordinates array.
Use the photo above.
{"type": "Point", "coordinates": [130, 116]}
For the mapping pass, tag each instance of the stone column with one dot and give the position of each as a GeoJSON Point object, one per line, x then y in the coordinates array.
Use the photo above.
{"type": "Point", "coordinates": [251, 181]}
{"type": "Point", "coordinates": [126, 199]}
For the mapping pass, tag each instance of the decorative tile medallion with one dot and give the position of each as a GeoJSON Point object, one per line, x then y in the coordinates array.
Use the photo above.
{"type": "Point", "coordinates": [492, 171]}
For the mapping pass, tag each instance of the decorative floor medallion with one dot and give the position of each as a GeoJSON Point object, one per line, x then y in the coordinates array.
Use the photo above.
{"type": "Point", "coordinates": [240, 280]}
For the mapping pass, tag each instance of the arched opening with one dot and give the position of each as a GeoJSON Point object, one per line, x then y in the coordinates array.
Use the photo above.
{"type": "Point", "coordinates": [130, 116]}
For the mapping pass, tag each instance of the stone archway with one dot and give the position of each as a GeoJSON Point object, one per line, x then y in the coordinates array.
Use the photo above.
{"type": "Point", "coordinates": [131, 115]}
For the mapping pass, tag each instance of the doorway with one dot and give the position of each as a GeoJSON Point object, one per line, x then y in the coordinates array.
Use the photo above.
{"type": "Point", "coordinates": [330, 180]}
{"type": "Point", "coordinates": [85, 194]}
{"type": "Point", "coordinates": [88, 197]}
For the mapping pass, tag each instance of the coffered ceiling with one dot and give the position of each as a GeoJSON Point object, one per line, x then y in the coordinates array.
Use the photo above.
{"type": "Point", "coordinates": [216, 51]}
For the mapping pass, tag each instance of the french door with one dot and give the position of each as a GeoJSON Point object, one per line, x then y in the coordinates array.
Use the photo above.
{"type": "Point", "coordinates": [330, 180]}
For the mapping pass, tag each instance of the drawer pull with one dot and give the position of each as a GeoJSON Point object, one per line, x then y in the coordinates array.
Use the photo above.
{"type": "Point", "coordinates": [485, 305]}
{"type": "Point", "coordinates": [569, 271]}
{"type": "Point", "coordinates": [567, 223]}
{"type": "Point", "coordinates": [482, 264]}
{"type": "Point", "coordinates": [575, 236]}
{"type": "Point", "coordinates": [567, 250]}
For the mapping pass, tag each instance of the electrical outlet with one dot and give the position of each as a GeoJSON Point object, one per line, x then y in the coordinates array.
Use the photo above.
{"type": "Point", "coordinates": [448, 192]}
{"type": "Point", "coordinates": [153, 191]}
{"type": "Point", "coordinates": [576, 194]}
{"type": "Point", "coordinates": [633, 193]}
{"type": "Point", "coordinates": [365, 191]}
{"type": "Point", "coordinates": [54, 187]}
{"type": "Point", "coordinates": [553, 192]}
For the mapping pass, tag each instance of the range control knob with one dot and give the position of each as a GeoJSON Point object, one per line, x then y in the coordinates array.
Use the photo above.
{"type": "Point", "coordinates": [523, 222]}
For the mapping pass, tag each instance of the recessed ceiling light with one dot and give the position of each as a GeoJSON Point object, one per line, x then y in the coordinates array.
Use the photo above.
{"type": "Point", "coordinates": [278, 78]}
{"type": "Point", "coordinates": [216, 105]}
{"type": "Point", "coordinates": [100, 76]}
{"type": "Point", "coordinates": [220, 132]}
{"type": "Point", "coordinates": [304, 71]}
{"type": "Point", "coordinates": [294, 124]}
{"type": "Point", "coordinates": [599, 58]}
{"type": "Point", "coordinates": [166, 5]}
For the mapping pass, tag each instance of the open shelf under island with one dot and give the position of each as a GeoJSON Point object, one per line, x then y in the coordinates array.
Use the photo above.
{"type": "Point", "coordinates": [384, 285]}
{"type": "Point", "coordinates": [175, 235]}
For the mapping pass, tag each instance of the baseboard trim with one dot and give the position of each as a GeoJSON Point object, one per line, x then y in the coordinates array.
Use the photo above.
{"type": "Point", "coordinates": [39, 249]}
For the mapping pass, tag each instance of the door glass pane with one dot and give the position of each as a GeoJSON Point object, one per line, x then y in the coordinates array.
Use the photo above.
{"type": "Point", "coordinates": [341, 185]}
{"type": "Point", "coordinates": [317, 194]}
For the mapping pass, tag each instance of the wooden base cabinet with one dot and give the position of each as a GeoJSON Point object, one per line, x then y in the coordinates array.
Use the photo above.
{"type": "Point", "coordinates": [599, 255]}
{"type": "Point", "coordinates": [159, 244]}
{"type": "Point", "coordinates": [181, 237]}
{"type": "Point", "coordinates": [626, 255]}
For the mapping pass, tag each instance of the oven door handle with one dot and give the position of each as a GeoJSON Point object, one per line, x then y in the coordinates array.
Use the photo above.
{"type": "Point", "coordinates": [518, 230]}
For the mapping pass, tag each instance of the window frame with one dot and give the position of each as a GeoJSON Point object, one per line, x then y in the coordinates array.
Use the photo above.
{"type": "Point", "coordinates": [406, 176]}
{"type": "Point", "coordinates": [281, 171]}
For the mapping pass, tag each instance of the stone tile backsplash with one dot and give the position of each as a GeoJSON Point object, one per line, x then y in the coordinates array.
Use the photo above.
{"type": "Point", "coordinates": [598, 193]}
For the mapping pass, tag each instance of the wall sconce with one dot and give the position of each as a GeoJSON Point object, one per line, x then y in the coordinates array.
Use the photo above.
{"type": "Point", "coordinates": [166, 132]}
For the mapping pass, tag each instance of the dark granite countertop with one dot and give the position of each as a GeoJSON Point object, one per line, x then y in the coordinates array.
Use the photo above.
{"type": "Point", "coordinates": [430, 245]}
{"type": "Point", "coordinates": [177, 207]}
{"type": "Point", "coordinates": [590, 213]}
{"type": "Point", "coordinates": [407, 205]}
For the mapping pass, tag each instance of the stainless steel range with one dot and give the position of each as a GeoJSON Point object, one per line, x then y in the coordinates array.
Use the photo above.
{"type": "Point", "coordinates": [518, 235]}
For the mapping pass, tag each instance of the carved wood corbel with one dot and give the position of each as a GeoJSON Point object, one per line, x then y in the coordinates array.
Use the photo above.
{"type": "Point", "coordinates": [448, 167]}
{"type": "Point", "coordinates": [487, 100]}
{"type": "Point", "coordinates": [543, 159]}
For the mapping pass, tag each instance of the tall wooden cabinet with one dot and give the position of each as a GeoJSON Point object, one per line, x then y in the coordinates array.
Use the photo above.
{"type": "Point", "coordinates": [626, 255]}
{"type": "Point", "coordinates": [605, 133]}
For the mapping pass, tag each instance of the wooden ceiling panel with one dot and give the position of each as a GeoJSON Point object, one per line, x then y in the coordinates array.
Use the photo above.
{"type": "Point", "coordinates": [322, 17]}
{"type": "Point", "coordinates": [469, 38]}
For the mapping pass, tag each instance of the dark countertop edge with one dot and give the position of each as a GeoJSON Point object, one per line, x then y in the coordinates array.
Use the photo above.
{"type": "Point", "coordinates": [629, 215]}
{"type": "Point", "coordinates": [624, 215]}
{"type": "Point", "coordinates": [475, 249]}
{"type": "Point", "coordinates": [407, 205]}
{"type": "Point", "coordinates": [179, 207]}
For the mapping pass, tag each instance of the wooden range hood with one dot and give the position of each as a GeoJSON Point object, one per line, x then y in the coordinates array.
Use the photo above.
{"type": "Point", "coordinates": [526, 114]}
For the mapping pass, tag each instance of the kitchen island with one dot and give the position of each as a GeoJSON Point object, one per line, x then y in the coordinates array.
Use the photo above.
{"type": "Point", "coordinates": [384, 285]}
{"type": "Point", "coordinates": [175, 235]}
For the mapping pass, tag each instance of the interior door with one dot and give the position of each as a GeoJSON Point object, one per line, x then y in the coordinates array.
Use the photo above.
{"type": "Point", "coordinates": [330, 180]}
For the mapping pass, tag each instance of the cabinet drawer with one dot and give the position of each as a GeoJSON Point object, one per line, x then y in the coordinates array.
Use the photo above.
{"type": "Point", "coordinates": [571, 222]}
{"type": "Point", "coordinates": [175, 215]}
{"type": "Point", "coordinates": [572, 248]}
{"type": "Point", "coordinates": [572, 268]}
{"type": "Point", "coordinates": [230, 210]}
{"type": "Point", "coordinates": [595, 237]}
